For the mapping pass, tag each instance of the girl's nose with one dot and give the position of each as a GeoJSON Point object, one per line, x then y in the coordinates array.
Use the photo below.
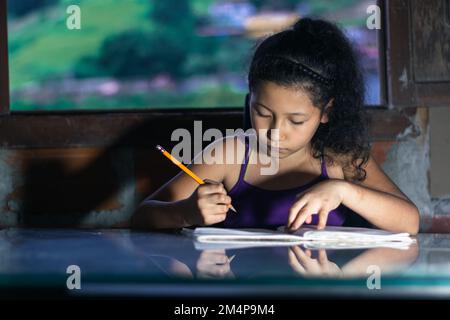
{"type": "Point", "coordinates": [276, 134]}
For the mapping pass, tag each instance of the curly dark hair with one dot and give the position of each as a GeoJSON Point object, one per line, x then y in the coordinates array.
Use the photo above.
{"type": "Point", "coordinates": [316, 56]}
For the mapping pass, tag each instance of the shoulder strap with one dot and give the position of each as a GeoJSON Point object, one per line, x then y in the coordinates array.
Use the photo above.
{"type": "Point", "coordinates": [324, 172]}
{"type": "Point", "coordinates": [246, 160]}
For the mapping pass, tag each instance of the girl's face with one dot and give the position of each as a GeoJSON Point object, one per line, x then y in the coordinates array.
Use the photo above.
{"type": "Point", "coordinates": [289, 110]}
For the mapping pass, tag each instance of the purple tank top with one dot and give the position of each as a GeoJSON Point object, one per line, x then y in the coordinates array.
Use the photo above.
{"type": "Point", "coordinates": [262, 208]}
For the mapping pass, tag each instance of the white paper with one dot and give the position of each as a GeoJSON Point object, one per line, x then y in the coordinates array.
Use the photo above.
{"type": "Point", "coordinates": [309, 236]}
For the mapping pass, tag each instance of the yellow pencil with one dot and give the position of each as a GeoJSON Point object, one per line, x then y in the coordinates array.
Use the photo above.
{"type": "Point", "coordinates": [184, 168]}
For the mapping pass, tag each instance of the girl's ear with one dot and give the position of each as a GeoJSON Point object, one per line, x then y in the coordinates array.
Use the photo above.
{"type": "Point", "coordinates": [327, 111]}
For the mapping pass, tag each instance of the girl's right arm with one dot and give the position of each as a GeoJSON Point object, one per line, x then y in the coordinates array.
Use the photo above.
{"type": "Point", "coordinates": [182, 202]}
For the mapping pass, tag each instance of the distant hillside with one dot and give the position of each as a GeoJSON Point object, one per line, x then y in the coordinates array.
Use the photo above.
{"type": "Point", "coordinates": [41, 46]}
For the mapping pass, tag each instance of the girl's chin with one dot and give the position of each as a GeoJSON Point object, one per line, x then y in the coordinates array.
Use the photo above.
{"type": "Point", "coordinates": [279, 155]}
{"type": "Point", "coordinates": [278, 151]}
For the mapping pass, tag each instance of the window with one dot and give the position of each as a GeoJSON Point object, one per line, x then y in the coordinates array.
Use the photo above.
{"type": "Point", "coordinates": [144, 54]}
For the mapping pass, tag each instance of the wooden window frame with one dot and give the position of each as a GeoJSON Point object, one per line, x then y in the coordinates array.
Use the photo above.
{"type": "Point", "coordinates": [401, 86]}
{"type": "Point", "coordinates": [4, 79]}
{"type": "Point", "coordinates": [141, 127]}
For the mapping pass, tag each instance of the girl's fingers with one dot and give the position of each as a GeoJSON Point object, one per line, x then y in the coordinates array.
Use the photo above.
{"type": "Point", "coordinates": [323, 217]}
{"type": "Point", "coordinates": [221, 209]}
{"type": "Point", "coordinates": [216, 218]}
{"type": "Point", "coordinates": [299, 254]}
{"type": "Point", "coordinates": [220, 184]}
{"type": "Point", "coordinates": [218, 198]}
{"type": "Point", "coordinates": [323, 259]}
{"type": "Point", "coordinates": [215, 256]}
{"type": "Point", "coordinates": [301, 217]}
{"type": "Point", "coordinates": [303, 258]}
{"type": "Point", "coordinates": [308, 220]}
{"type": "Point", "coordinates": [218, 211]}
{"type": "Point", "coordinates": [294, 210]}
{"type": "Point", "coordinates": [214, 185]}
{"type": "Point", "coordinates": [295, 264]}
{"type": "Point", "coordinates": [211, 181]}
{"type": "Point", "coordinates": [205, 189]}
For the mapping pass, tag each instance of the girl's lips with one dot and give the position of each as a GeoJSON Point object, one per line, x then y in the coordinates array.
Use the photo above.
{"type": "Point", "coordinates": [280, 150]}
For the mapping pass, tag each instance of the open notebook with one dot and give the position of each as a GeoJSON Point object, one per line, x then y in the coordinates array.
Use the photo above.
{"type": "Point", "coordinates": [308, 236]}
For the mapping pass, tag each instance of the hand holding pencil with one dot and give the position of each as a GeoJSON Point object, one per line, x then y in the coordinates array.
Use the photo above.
{"type": "Point", "coordinates": [198, 179]}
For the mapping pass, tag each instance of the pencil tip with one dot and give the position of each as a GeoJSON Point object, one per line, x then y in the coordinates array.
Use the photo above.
{"type": "Point", "coordinates": [232, 208]}
{"type": "Point", "coordinates": [159, 147]}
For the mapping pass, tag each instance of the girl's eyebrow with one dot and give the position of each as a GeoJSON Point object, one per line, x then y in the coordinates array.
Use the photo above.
{"type": "Point", "coordinates": [297, 114]}
{"type": "Point", "coordinates": [291, 113]}
{"type": "Point", "coordinates": [260, 104]}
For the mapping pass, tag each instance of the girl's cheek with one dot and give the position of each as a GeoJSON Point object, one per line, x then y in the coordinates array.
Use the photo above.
{"type": "Point", "coordinates": [302, 134]}
{"type": "Point", "coordinates": [260, 124]}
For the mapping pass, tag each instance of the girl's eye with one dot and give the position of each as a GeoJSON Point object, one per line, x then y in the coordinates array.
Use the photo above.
{"type": "Point", "coordinates": [297, 123]}
{"type": "Point", "coordinates": [261, 114]}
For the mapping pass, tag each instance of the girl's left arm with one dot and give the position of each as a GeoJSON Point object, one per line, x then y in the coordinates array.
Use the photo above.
{"type": "Point", "coordinates": [380, 201]}
{"type": "Point", "coordinates": [377, 199]}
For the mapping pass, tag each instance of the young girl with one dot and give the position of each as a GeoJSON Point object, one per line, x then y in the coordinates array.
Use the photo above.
{"type": "Point", "coordinates": [305, 82]}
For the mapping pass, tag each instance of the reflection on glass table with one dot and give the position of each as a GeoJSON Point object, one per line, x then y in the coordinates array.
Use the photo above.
{"type": "Point", "coordinates": [127, 263]}
{"type": "Point", "coordinates": [298, 261]}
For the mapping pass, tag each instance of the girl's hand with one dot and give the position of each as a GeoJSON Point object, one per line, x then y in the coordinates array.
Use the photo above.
{"type": "Point", "coordinates": [208, 204]}
{"type": "Point", "coordinates": [302, 263]}
{"type": "Point", "coordinates": [214, 264]}
{"type": "Point", "coordinates": [319, 199]}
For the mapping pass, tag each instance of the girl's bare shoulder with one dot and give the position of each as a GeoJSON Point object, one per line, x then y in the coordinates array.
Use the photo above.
{"type": "Point", "coordinates": [233, 154]}
{"type": "Point", "coordinates": [227, 150]}
{"type": "Point", "coordinates": [335, 165]}
{"type": "Point", "coordinates": [343, 166]}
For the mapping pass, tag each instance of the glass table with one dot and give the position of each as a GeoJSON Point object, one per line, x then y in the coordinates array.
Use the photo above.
{"type": "Point", "coordinates": [127, 263]}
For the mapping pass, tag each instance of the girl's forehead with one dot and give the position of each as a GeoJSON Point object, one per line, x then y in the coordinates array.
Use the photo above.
{"type": "Point", "coordinates": [283, 97]}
